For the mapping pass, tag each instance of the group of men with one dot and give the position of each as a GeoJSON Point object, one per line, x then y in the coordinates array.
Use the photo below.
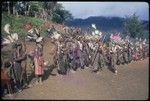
{"type": "Point", "coordinates": [81, 53]}
{"type": "Point", "coordinates": [72, 53]}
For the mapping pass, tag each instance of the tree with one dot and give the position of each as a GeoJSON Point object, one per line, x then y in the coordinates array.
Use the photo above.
{"type": "Point", "coordinates": [6, 6]}
{"type": "Point", "coordinates": [33, 8]}
{"type": "Point", "coordinates": [60, 14]}
{"type": "Point", "coordinates": [10, 7]}
{"type": "Point", "coordinates": [48, 9]}
{"type": "Point", "coordinates": [132, 26]}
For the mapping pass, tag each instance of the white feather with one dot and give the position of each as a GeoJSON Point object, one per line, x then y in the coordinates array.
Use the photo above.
{"type": "Point", "coordinates": [7, 28]}
{"type": "Point", "coordinates": [94, 26]}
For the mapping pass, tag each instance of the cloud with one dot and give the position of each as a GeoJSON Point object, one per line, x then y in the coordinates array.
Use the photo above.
{"type": "Point", "coordinates": [121, 9]}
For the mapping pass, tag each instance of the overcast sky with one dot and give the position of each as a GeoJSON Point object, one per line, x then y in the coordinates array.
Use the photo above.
{"type": "Point", "coordinates": [120, 9]}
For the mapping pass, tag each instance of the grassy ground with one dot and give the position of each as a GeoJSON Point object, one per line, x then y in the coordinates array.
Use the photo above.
{"type": "Point", "coordinates": [17, 23]}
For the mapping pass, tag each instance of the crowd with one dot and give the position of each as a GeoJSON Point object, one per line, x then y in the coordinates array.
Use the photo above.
{"type": "Point", "coordinates": [81, 53]}
{"type": "Point", "coordinates": [70, 54]}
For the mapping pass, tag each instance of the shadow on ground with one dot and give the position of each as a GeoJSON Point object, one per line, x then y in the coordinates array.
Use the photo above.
{"type": "Point", "coordinates": [110, 68]}
{"type": "Point", "coordinates": [48, 72]}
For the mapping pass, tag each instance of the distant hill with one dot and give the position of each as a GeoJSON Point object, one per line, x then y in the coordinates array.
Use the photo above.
{"type": "Point", "coordinates": [106, 24]}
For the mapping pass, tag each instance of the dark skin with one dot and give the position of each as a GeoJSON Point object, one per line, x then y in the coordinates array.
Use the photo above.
{"type": "Point", "coordinates": [20, 54]}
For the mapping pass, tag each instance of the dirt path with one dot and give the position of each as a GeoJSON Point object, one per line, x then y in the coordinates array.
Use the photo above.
{"type": "Point", "coordinates": [131, 83]}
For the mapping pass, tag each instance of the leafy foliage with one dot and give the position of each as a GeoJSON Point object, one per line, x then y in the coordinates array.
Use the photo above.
{"type": "Point", "coordinates": [46, 10]}
{"type": "Point", "coordinates": [132, 26]}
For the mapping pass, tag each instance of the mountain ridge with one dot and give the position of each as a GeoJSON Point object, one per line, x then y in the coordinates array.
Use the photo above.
{"type": "Point", "coordinates": [103, 23]}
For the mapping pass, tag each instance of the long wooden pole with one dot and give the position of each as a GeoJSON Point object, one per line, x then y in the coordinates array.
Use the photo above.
{"type": "Point", "coordinates": [97, 51]}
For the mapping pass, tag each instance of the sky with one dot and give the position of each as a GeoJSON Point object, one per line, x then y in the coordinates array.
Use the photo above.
{"type": "Point", "coordinates": [119, 9]}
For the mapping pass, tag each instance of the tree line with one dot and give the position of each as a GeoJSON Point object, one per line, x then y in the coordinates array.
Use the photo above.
{"type": "Point", "coordinates": [53, 11]}
{"type": "Point", "coordinates": [48, 11]}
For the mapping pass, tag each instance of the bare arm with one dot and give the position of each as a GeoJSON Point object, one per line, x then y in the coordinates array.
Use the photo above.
{"type": "Point", "coordinates": [17, 59]}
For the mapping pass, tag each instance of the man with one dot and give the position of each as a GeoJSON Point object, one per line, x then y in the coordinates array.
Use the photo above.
{"type": "Point", "coordinates": [96, 59]}
{"type": "Point", "coordinates": [141, 50]}
{"type": "Point", "coordinates": [125, 53]}
{"type": "Point", "coordinates": [113, 56]}
{"type": "Point", "coordinates": [62, 59]}
{"type": "Point", "coordinates": [33, 34]}
{"type": "Point", "coordinates": [24, 66]}
{"type": "Point", "coordinates": [61, 56]}
{"type": "Point", "coordinates": [129, 52]}
{"type": "Point", "coordinates": [18, 56]}
{"type": "Point", "coordinates": [147, 50]}
{"type": "Point", "coordinates": [76, 56]}
{"type": "Point", "coordinates": [80, 53]}
{"type": "Point", "coordinates": [121, 57]}
{"type": "Point", "coordinates": [92, 47]}
{"type": "Point", "coordinates": [118, 51]}
{"type": "Point", "coordinates": [134, 52]}
{"type": "Point", "coordinates": [106, 55]}
{"type": "Point", "coordinates": [101, 58]}
{"type": "Point", "coordinates": [86, 53]}
{"type": "Point", "coordinates": [69, 46]}
{"type": "Point", "coordinates": [137, 52]}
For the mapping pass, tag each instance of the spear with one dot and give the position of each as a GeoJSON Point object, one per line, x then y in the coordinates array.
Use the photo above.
{"type": "Point", "coordinates": [97, 51]}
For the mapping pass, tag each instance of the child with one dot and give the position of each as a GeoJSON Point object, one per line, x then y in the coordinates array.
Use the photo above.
{"type": "Point", "coordinates": [6, 77]}
{"type": "Point", "coordinates": [38, 62]}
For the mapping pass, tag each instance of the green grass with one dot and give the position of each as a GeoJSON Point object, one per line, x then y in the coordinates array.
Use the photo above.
{"type": "Point", "coordinates": [17, 24]}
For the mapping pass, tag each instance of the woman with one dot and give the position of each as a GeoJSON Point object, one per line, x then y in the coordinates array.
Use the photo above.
{"type": "Point", "coordinates": [39, 62]}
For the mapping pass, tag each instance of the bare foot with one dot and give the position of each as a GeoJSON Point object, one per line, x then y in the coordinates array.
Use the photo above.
{"type": "Point", "coordinates": [115, 72]}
